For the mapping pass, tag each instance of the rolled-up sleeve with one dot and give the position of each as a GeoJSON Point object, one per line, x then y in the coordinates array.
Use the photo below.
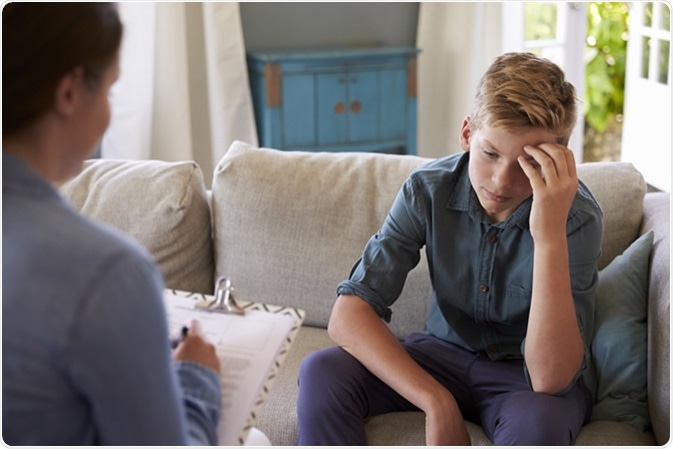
{"type": "Point", "coordinates": [378, 276]}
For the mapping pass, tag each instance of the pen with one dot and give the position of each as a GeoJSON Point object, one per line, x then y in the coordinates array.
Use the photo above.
{"type": "Point", "coordinates": [183, 334]}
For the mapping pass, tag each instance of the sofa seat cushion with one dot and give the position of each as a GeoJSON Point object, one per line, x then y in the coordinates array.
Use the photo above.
{"type": "Point", "coordinates": [278, 417]}
{"type": "Point", "coordinates": [163, 205]}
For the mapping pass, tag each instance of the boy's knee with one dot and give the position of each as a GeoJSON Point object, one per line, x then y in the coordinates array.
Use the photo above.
{"type": "Point", "coordinates": [532, 431]}
{"type": "Point", "coordinates": [325, 383]}
{"type": "Point", "coordinates": [536, 421]}
{"type": "Point", "coordinates": [326, 372]}
{"type": "Point", "coordinates": [319, 365]}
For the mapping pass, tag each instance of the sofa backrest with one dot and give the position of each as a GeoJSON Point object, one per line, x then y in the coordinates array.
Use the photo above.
{"type": "Point", "coordinates": [288, 226]}
{"type": "Point", "coordinates": [163, 205]}
{"type": "Point", "coordinates": [619, 189]}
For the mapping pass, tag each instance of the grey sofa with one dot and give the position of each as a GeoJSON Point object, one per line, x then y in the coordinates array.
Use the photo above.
{"type": "Point", "coordinates": [286, 227]}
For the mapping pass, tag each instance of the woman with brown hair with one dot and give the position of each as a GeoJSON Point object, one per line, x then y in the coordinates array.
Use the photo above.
{"type": "Point", "coordinates": [85, 352]}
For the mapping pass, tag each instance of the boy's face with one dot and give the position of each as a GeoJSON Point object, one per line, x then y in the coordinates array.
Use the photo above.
{"type": "Point", "coordinates": [495, 173]}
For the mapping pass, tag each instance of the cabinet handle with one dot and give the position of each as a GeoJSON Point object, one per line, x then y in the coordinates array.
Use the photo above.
{"type": "Point", "coordinates": [356, 107]}
{"type": "Point", "coordinates": [339, 108]}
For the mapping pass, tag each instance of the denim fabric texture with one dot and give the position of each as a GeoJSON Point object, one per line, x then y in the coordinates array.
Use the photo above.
{"type": "Point", "coordinates": [481, 272]}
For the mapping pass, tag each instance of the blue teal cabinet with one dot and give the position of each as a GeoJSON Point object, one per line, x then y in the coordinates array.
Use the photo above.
{"type": "Point", "coordinates": [361, 99]}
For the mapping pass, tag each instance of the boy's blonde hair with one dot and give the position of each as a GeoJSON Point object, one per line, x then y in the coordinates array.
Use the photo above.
{"type": "Point", "coordinates": [522, 90]}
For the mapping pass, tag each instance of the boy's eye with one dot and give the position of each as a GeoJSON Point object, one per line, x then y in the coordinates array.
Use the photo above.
{"type": "Point", "coordinates": [490, 154]}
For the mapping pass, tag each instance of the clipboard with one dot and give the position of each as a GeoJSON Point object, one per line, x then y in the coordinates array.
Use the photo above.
{"type": "Point", "coordinates": [223, 301]}
{"type": "Point", "coordinates": [252, 341]}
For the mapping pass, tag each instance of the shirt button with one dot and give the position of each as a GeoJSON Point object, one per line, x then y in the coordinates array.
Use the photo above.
{"type": "Point", "coordinates": [483, 288]}
{"type": "Point", "coordinates": [492, 238]}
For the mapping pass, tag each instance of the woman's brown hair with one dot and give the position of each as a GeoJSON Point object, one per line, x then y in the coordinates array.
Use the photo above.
{"type": "Point", "coordinates": [41, 42]}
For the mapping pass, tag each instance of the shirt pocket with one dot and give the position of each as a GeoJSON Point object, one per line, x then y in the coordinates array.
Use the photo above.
{"type": "Point", "coordinates": [514, 307]}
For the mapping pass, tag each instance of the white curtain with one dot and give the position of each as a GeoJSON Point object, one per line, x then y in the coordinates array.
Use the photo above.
{"type": "Point", "coordinates": [458, 41]}
{"type": "Point", "coordinates": [183, 92]}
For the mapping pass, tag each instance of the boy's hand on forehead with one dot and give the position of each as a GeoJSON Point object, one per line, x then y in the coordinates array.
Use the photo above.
{"type": "Point", "coordinates": [554, 183]}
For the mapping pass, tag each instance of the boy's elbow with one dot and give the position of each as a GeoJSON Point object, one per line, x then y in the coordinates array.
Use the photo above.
{"type": "Point", "coordinates": [550, 387]}
{"type": "Point", "coordinates": [553, 382]}
{"type": "Point", "coordinates": [338, 320]}
{"type": "Point", "coordinates": [333, 329]}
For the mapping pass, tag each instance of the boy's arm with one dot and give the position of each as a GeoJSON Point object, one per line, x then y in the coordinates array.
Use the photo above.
{"type": "Point", "coordinates": [358, 329]}
{"type": "Point", "coordinates": [554, 347]}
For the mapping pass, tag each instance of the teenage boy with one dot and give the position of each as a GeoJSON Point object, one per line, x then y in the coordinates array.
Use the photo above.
{"type": "Point", "coordinates": [512, 239]}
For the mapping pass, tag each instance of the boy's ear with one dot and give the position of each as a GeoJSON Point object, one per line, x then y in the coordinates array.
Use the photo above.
{"type": "Point", "coordinates": [67, 91]}
{"type": "Point", "coordinates": [465, 134]}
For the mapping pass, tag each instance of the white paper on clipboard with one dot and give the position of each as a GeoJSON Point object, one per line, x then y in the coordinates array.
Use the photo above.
{"type": "Point", "coordinates": [251, 348]}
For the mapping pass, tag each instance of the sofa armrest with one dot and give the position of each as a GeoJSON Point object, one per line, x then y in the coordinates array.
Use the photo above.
{"type": "Point", "coordinates": [656, 217]}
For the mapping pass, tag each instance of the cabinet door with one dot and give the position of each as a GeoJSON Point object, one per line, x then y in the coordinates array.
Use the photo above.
{"type": "Point", "coordinates": [363, 113]}
{"type": "Point", "coordinates": [298, 115]}
{"type": "Point", "coordinates": [393, 104]}
{"type": "Point", "coordinates": [331, 108]}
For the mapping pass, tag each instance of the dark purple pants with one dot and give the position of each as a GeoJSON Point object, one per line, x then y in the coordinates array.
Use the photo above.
{"type": "Point", "coordinates": [336, 393]}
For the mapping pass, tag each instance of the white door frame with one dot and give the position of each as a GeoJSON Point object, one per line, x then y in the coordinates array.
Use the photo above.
{"type": "Point", "coordinates": [646, 140]}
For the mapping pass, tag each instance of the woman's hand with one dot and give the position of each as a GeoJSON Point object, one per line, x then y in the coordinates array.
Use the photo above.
{"type": "Point", "coordinates": [194, 348]}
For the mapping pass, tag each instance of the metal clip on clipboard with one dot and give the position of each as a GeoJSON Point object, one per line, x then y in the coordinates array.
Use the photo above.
{"type": "Point", "coordinates": [224, 299]}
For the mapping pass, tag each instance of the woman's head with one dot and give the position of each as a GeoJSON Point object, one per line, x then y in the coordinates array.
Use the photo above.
{"type": "Point", "coordinates": [521, 90]}
{"type": "Point", "coordinates": [41, 43]}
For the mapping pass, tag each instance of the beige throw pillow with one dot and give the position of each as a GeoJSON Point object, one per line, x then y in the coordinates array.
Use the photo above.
{"type": "Point", "coordinates": [163, 205]}
{"type": "Point", "coordinates": [619, 189]}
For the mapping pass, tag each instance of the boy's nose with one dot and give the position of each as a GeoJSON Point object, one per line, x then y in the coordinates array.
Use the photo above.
{"type": "Point", "coordinates": [505, 176]}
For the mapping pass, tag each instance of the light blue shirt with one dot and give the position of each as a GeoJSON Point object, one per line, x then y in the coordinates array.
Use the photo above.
{"type": "Point", "coordinates": [481, 272]}
{"type": "Point", "coordinates": [85, 349]}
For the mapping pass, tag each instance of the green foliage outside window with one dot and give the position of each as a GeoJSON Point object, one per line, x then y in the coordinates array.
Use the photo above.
{"type": "Point", "coordinates": [605, 55]}
{"type": "Point", "coordinates": [607, 34]}
{"type": "Point", "coordinates": [540, 19]}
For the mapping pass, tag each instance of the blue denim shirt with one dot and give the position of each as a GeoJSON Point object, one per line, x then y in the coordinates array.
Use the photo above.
{"type": "Point", "coordinates": [481, 272]}
{"type": "Point", "coordinates": [85, 350]}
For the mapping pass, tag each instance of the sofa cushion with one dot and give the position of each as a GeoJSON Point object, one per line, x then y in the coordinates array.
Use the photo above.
{"type": "Point", "coordinates": [163, 205]}
{"type": "Point", "coordinates": [619, 189]}
{"type": "Point", "coordinates": [302, 220]}
{"type": "Point", "coordinates": [619, 347]}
